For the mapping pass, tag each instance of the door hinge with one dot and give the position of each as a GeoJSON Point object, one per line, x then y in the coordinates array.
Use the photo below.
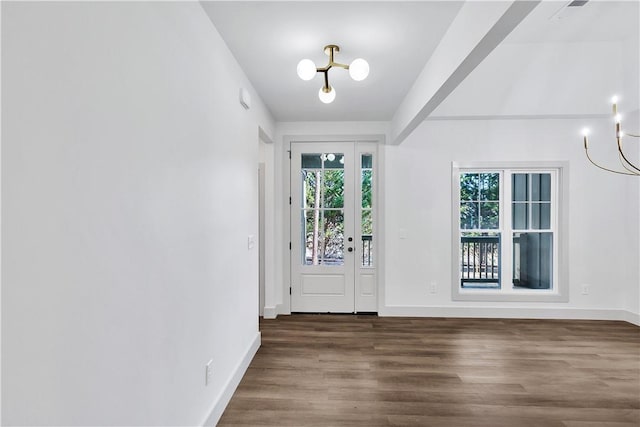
{"type": "Point", "coordinates": [289, 290]}
{"type": "Point", "coordinates": [289, 199]}
{"type": "Point", "coordinates": [289, 245]}
{"type": "Point", "coordinates": [289, 151]}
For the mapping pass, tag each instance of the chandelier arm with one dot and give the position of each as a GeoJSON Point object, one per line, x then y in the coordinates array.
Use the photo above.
{"type": "Point", "coordinates": [632, 135]}
{"type": "Point", "coordinates": [326, 81]}
{"type": "Point", "coordinates": [337, 64]}
{"type": "Point", "coordinates": [625, 157]}
{"type": "Point", "coordinates": [624, 165]}
{"type": "Point", "coordinates": [586, 151]}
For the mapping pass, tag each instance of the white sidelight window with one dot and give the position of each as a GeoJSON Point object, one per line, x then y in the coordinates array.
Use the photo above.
{"type": "Point", "coordinates": [509, 226]}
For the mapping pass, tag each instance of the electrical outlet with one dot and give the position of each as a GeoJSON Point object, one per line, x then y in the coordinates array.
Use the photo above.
{"type": "Point", "coordinates": [586, 289]}
{"type": "Point", "coordinates": [433, 287]}
{"type": "Point", "coordinates": [208, 375]}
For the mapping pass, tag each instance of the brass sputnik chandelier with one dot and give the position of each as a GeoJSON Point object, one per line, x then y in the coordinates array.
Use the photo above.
{"type": "Point", "coordinates": [358, 70]}
{"type": "Point", "coordinates": [629, 168]}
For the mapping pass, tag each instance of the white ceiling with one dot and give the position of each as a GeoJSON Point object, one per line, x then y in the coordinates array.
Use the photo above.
{"type": "Point", "coordinates": [597, 20]}
{"type": "Point", "coordinates": [557, 67]}
{"type": "Point", "coordinates": [268, 38]}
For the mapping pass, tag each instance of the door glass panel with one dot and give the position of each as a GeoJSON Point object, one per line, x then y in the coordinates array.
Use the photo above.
{"type": "Point", "coordinates": [333, 160]}
{"type": "Point", "coordinates": [532, 260]}
{"type": "Point", "coordinates": [367, 238]}
{"type": "Point", "coordinates": [367, 161]}
{"type": "Point", "coordinates": [322, 217]}
{"type": "Point", "coordinates": [311, 188]}
{"type": "Point", "coordinates": [333, 188]}
{"type": "Point", "coordinates": [366, 223]}
{"type": "Point", "coordinates": [311, 237]}
{"type": "Point", "coordinates": [333, 239]}
{"type": "Point", "coordinates": [312, 161]}
{"type": "Point", "coordinates": [367, 176]}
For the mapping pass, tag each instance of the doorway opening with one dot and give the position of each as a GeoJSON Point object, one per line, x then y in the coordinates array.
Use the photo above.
{"type": "Point", "coordinates": [333, 218]}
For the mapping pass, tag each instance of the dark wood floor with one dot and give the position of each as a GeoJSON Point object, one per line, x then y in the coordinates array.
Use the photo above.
{"type": "Point", "coordinates": [342, 370]}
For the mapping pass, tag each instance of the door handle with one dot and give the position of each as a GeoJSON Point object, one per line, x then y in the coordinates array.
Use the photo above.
{"type": "Point", "coordinates": [350, 249]}
{"type": "Point", "coordinates": [350, 239]}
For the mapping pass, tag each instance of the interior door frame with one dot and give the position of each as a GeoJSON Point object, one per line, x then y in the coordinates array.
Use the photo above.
{"type": "Point", "coordinates": [378, 139]}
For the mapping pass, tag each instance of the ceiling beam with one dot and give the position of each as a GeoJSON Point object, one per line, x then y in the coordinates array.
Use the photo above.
{"type": "Point", "coordinates": [476, 31]}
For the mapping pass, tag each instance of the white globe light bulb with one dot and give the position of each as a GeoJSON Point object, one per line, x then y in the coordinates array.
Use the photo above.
{"type": "Point", "coordinates": [359, 69]}
{"type": "Point", "coordinates": [306, 69]}
{"type": "Point", "coordinates": [585, 132]}
{"type": "Point", "coordinates": [614, 99]}
{"type": "Point", "coordinates": [327, 97]}
{"type": "Point", "coordinates": [331, 157]}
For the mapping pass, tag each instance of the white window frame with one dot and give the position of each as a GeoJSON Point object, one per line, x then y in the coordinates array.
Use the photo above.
{"type": "Point", "coordinates": [559, 227]}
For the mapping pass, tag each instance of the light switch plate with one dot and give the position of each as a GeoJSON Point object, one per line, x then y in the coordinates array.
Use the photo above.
{"type": "Point", "coordinates": [208, 373]}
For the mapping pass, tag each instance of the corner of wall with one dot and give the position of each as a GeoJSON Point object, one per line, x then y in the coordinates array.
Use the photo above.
{"type": "Point", "coordinates": [630, 317]}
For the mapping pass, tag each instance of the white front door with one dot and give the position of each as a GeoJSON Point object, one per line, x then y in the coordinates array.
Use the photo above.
{"type": "Point", "coordinates": [332, 217]}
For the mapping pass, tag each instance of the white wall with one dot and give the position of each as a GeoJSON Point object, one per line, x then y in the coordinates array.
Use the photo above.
{"type": "Point", "coordinates": [632, 148]}
{"type": "Point", "coordinates": [129, 187]}
{"type": "Point", "coordinates": [603, 219]}
{"type": "Point", "coordinates": [602, 249]}
{"type": "Point", "coordinates": [630, 99]}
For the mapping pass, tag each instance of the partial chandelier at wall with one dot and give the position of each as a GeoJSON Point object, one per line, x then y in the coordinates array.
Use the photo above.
{"type": "Point", "coordinates": [358, 70]}
{"type": "Point", "coordinates": [628, 167]}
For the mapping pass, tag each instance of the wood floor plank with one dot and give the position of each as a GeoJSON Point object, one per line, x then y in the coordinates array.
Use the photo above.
{"type": "Point", "coordinates": [343, 370]}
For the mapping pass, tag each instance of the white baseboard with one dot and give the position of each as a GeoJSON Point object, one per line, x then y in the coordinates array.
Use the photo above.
{"type": "Point", "coordinates": [631, 317]}
{"type": "Point", "coordinates": [511, 313]}
{"type": "Point", "coordinates": [230, 387]}
{"type": "Point", "coordinates": [270, 312]}
{"type": "Point", "coordinates": [273, 312]}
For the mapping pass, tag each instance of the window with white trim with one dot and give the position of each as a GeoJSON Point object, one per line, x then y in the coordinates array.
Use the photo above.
{"type": "Point", "coordinates": [506, 233]}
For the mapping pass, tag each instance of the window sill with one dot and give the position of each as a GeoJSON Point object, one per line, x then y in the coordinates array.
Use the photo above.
{"type": "Point", "coordinates": [516, 295]}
